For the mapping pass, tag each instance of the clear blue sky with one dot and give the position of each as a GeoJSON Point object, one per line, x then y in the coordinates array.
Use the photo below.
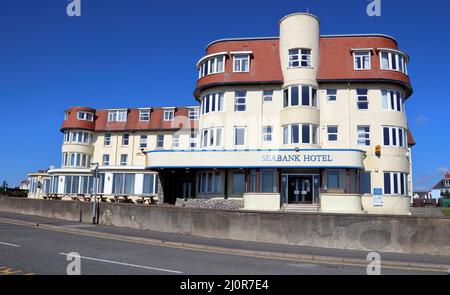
{"type": "Point", "coordinates": [125, 53]}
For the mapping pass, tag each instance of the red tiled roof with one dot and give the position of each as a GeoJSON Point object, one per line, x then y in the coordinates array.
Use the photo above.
{"type": "Point", "coordinates": [411, 141]}
{"type": "Point", "coordinates": [132, 124]}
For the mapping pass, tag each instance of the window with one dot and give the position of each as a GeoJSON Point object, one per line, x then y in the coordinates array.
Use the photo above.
{"type": "Point", "coordinates": [239, 101]}
{"type": "Point", "coordinates": [362, 60]}
{"type": "Point", "coordinates": [392, 100]}
{"type": "Point", "coordinates": [124, 160]}
{"type": "Point", "coordinates": [144, 115]}
{"type": "Point", "coordinates": [193, 114]}
{"type": "Point", "coordinates": [54, 184]}
{"type": "Point", "coordinates": [211, 66]}
{"type": "Point", "coordinates": [143, 141]}
{"type": "Point", "coordinates": [78, 160]}
{"type": "Point", "coordinates": [150, 184]}
{"type": "Point", "coordinates": [331, 94]}
{"type": "Point", "coordinates": [363, 135]}
{"type": "Point", "coordinates": [365, 186]}
{"type": "Point", "coordinates": [66, 115]}
{"type": "Point", "coordinates": [125, 139]}
{"type": "Point", "coordinates": [168, 115]}
{"type": "Point", "coordinates": [64, 161]}
{"type": "Point", "coordinates": [85, 116]}
{"type": "Point", "coordinates": [238, 185]}
{"type": "Point", "coordinates": [267, 133]}
{"type": "Point", "coordinates": [395, 183]}
{"type": "Point", "coordinates": [333, 179]}
{"type": "Point", "coordinates": [105, 160]}
{"type": "Point", "coordinates": [239, 136]}
{"type": "Point", "coordinates": [300, 95]}
{"type": "Point", "coordinates": [209, 182]}
{"type": "Point", "coordinates": [78, 137]}
{"type": "Point", "coordinates": [175, 140]}
{"type": "Point", "coordinates": [393, 61]}
{"type": "Point", "coordinates": [117, 116]}
{"type": "Point", "coordinates": [299, 58]}
{"type": "Point", "coordinates": [123, 183]}
{"type": "Point", "coordinates": [241, 62]}
{"type": "Point", "coordinates": [332, 133]}
{"type": "Point", "coordinates": [193, 140]}
{"type": "Point", "coordinates": [71, 184]}
{"type": "Point", "coordinates": [107, 139]}
{"type": "Point", "coordinates": [394, 137]}
{"type": "Point", "coordinates": [212, 137]}
{"type": "Point", "coordinates": [300, 133]}
{"type": "Point", "coordinates": [212, 103]}
{"type": "Point", "coordinates": [160, 141]}
{"type": "Point", "coordinates": [362, 99]}
{"type": "Point", "coordinates": [267, 95]}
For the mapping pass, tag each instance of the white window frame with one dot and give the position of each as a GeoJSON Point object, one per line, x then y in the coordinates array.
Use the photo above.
{"type": "Point", "coordinates": [210, 134]}
{"type": "Point", "coordinates": [143, 141]}
{"type": "Point", "coordinates": [175, 141]}
{"type": "Point", "coordinates": [117, 116]}
{"type": "Point", "coordinates": [400, 59]}
{"type": "Point", "coordinates": [204, 177]}
{"type": "Point", "coordinates": [126, 139]}
{"type": "Point", "coordinates": [267, 95]}
{"type": "Point", "coordinates": [299, 57]}
{"type": "Point", "coordinates": [124, 160]}
{"type": "Point", "coordinates": [238, 96]}
{"type": "Point", "coordinates": [193, 140]}
{"type": "Point", "coordinates": [311, 99]}
{"type": "Point", "coordinates": [193, 113]}
{"type": "Point", "coordinates": [240, 58]}
{"type": "Point", "coordinates": [400, 132]}
{"type": "Point", "coordinates": [396, 177]}
{"type": "Point", "coordinates": [169, 115]}
{"type": "Point", "coordinates": [211, 66]}
{"type": "Point", "coordinates": [388, 97]}
{"type": "Point", "coordinates": [213, 99]}
{"type": "Point", "coordinates": [160, 138]}
{"type": "Point", "coordinates": [106, 159]}
{"type": "Point", "coordinates": [288, 138]}
{"type": "Point", "coordinates": [332, 133]}
{"type": "Point", "coordinates": [329, 95]}
{"type": "Point", "coordinates": [267, 133]}
{"type": "Point", "coordinates": [361, 55]}
{"type": "Point", "coordinates": [360, 100]}
{"type": "Point", "coordinates": [107, 139]}
{"type": "Point", "coordinates": [144, 115]}
{"type": "Point", "coordinates": [85, 116]}
{"type": "Point", "coordinates": [66, 115]}
{"type": "Point", "coordinates": [363, 133]}
{"type": "Point", "coordinates": [236, 129]}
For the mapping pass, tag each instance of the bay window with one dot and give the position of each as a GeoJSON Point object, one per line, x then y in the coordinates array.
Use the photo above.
{"type": "Point", "coordinates": [212, 137]}
{"type": "Point", "coordinates": [394, 61]}
{"type": "Point", "coordinates": [212, 103]}
{"type": "Point", "coordinates": [392, 100]}
{"type": "Point", "coordinates": [144, 115]}
{"type": "Point", "coordinates": [395, 183]}
{"type": "Point", "coordinates": [394, 137]}
{"type": "Point", "coordinates": [300, 134]}
{"type": "Point", "coordinates": [300, 95]}
{"type": "Point", "coordinates": [211, 65]}
{"type": "Point", "coordinates": [117, 116]}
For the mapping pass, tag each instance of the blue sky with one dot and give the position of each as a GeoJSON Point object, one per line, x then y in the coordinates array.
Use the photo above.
{"type": "Point", "coordinates": [129, 53]}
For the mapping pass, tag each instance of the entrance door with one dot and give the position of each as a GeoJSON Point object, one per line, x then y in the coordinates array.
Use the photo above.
{"type": "Point", "coordinates": [300, 189]}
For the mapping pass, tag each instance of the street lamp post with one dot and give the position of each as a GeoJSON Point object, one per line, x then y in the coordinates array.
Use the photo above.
{"type": "Point", "coordinates": [95, 176]}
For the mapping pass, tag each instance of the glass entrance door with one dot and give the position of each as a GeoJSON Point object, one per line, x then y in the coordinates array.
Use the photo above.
{"type": "Point", "coordinates": [300, 189]}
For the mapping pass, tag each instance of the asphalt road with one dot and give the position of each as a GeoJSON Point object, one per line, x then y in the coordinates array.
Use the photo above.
{"type": "Point", "coordinates": [32, 250]}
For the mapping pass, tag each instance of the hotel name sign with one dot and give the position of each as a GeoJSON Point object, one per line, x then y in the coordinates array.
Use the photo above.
{"type": "Point", "coordinates": [326, 158]}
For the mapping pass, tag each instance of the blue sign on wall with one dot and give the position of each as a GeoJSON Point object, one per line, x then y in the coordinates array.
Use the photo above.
{"type": "Point", "coordinates": [377, 191]}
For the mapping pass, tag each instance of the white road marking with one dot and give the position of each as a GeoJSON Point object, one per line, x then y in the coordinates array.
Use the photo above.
{"type": "Point", "coordinates": [126, 264]}
{"type": "Point", "coordinates": [7, 244]}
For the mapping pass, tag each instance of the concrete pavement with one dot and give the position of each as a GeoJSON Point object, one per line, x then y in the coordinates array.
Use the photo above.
{"type": "Point", "coordinates": [39, 245]}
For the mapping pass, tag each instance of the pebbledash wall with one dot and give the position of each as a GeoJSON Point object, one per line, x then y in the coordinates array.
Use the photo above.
{"type": "Point", "coordinates": [301, 121]}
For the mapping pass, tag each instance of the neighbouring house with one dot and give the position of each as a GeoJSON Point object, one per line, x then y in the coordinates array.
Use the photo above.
{"type": "Point", "coordinates": [440, 188]}
{"type": "Point", "coordinates": [24, 185]}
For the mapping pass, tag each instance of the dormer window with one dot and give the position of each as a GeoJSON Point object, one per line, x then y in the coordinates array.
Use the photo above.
{"type": "Point", "coordinates": [241, 62]}
{"type": "Point", "coordinates": [85, 116]}
{"type": "Point", "coordinates": [193, 113]}
{"type": "Point", "coordinates": [117, 116]}
{"type": "Point", "coordinates": [144, 115]}
{"type": "Point", "coordinates": [362, 60]}
{"type": "Point", "coordinates": [299, 58]}
{"type": "Point", "coordinates": [393, 60]}
{"type": "Point", "coordinates": [66, 115]}
{"type": "Point", "coordinates": [169, 114]}
{"type": "Point", "coordinates": [211, 64]}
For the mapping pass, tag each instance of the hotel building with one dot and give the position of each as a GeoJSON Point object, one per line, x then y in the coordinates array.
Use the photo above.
{"type": "Point", "coordinates": [301, 121]}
